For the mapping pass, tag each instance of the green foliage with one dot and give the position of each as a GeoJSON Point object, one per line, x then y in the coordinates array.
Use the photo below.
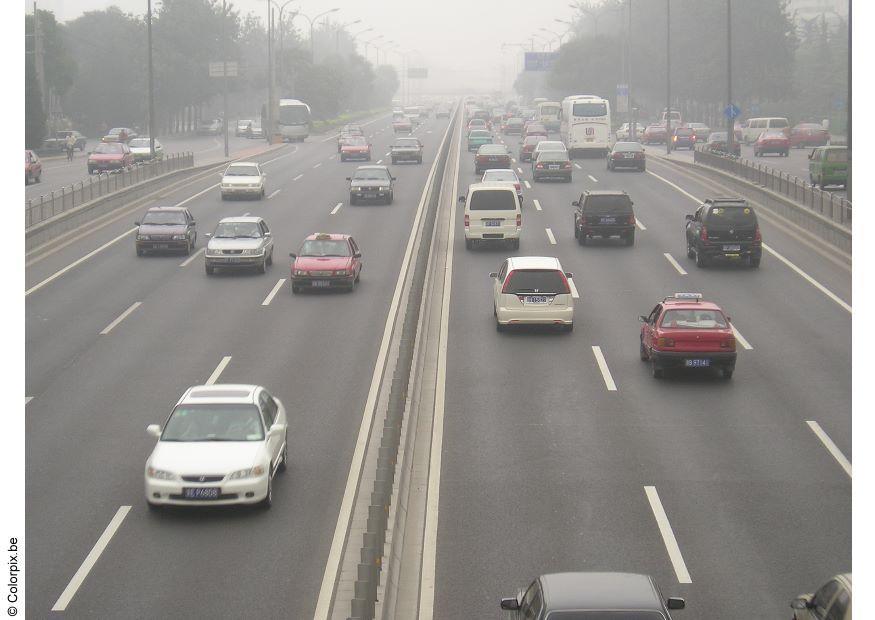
{"type": "Point", "coordinates": [59, 65]}
{"type": "Point", "coordinates": [34, 115]}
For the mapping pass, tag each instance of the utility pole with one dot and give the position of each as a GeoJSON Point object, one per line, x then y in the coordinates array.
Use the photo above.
{"type": "Point", "coordinates": [151, 82]}
{"type": "Point", "coordinates": [269, 129]}
{"type": "Point", "coordinates": [668, 77]}
{"type": "Point", "coordinates": [848, 125]}
{"type": "Point", "coordinates": [633, 125]}
{"type": "Point", "coordinates": [38, 58]}
{"type": "Point", "coordinates": [730, 127]}
{"type": "Point", "coordinates": [224, 82]}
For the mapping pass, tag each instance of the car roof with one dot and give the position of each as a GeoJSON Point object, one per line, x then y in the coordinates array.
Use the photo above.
{"type": "Point", "coordinates": [373, 167]}
{"type": "Point", "coordinates": [220, 393]}
{"type": "Point", "coordinates": [329, 236]}
{"type": "Point", "coordinates": [533, 262]}
{"type": "Point", "coordinates": [614, 591]}
{"type": "Point", "coordinates": [166, 209]}
{"type": "Point", "coordinates": [240, 219]}
{"type": "Point", "coordinates": [690, 304]}
{"type": "Point", "coordinates": [474, 187]}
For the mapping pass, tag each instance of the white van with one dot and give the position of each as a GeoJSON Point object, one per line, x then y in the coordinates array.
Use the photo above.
{"type": "Point", "coordinates": [492, 213]}
{"type": "Point", "coordinates": [532, 290]}
{"type": "Point", "coordinates": [756, 126]}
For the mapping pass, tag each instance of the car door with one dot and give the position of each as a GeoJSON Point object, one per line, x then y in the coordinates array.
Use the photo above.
{"type": "Point", "coordinates": [267, 238]}
{"type": "Point", "coordinates": [268, 412]}
{"type": "Point", "coordinates": [532, 605]}
{"type": "Point", "coordinates": [841, 605]}
{"type": "Point", "coordinates": [498, 284]}
{"type": "Point", "coordinates": [191, 229]}
{"type": "Point", "coordinates": [649, 326]}
{"type": "Point", "coordinates": [695, 225]}
{"type": "Point", "coordinates": [356, 261]}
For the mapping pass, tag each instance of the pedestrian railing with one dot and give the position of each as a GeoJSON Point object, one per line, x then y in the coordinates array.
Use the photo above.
{"type": "Point", "coordinates": [836, 208]}
{"type": "Point", "coordinates": [99, 185]}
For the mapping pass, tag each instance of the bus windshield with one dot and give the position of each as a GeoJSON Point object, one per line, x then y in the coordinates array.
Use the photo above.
{"type": "Point", "coordinates": [293, 115]}
{"type": "Point", "coordinates": [589, 109]}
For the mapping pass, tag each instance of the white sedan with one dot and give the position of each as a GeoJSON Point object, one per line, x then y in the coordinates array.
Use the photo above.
{"type": "Point", "coordinates": [532, 290]}
{"type": "Point", "coordinates": [243, 178]}
{"type": "Point", "coordinates": [222, 444]}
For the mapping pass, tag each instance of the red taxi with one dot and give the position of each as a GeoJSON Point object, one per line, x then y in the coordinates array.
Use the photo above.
{"type": "Point", "coordinates": [655, 134]}
{"type": "Point", "coordinates": [808, 134]}
{"type": "Point", "coordinates": [33, 167]}
{"type": "Point", "coordinates": [326, 261]}
{"type": "Point", "coordinates": [775, 141]}
{"type": "Point", "coordinates": [355, 147]}
{"type": "Point", "coordinates": [110, 156]}
{"type": "Point", "coordinates": [684, 331]}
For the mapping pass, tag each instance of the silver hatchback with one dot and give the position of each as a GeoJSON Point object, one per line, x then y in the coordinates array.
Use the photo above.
{"type": "Point", "coordinates": [239, 242]}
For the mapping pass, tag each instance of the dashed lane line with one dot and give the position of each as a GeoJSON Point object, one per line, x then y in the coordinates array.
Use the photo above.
{"type": "Point", "coordinates": [273, 292]}
{"type": "Point", "coordinates": [27, 399]}
{"type": "Point", "coordinates": [274, 193]}
{"type": "Point", "coordinates": [297, 177]}
{"type": "Point", "coordinates": [603, 366]}
{"type": "Point", "coordinates": [639, 224]}
{"type": "Point", "coordinates": [192, 257]}
{"type": "Point", "coordinates": [336, 208]}
{"type": "Point", "coordinates": [218, 371]}
{"type": "Point", "coordinates": [830, 445]}
{"type": "Point", "coordinates": [528, 185]}
{"type": "Point", "coordinates": [200, 193]}
{"type": "Point", "coordinates": [592, 178]}
{"type": "Point", "coordinates": [578, 166]}
{"type": "Point", "coordinates": [120, 318]}
{"type": "Point", "coordinates": [571, 285]}
{"type": "Point", "coordinates": [550, 236]}
{"type": "Point", "coordinates": [741, 339]}
{"type": "Point", "coordinates": [536, 203]}
{"type": "Point", "coordinates": [668, 537]}
{"type": "Point", "coordinates": [674, 263]}
{"type": "Point", "coordinates": [317, 164]}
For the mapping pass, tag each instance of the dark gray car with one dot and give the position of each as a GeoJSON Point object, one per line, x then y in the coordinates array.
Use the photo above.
{"type": "Point", "coordinates": [407, 149]}
{"type": "Point", "coordinates": [371, 183]}
{"type": "Point", "coordinates": [551, 165]}
{"type": "Point", "coordinates": [166, 228]}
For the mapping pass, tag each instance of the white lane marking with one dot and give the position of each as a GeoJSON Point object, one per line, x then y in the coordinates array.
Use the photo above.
{"type": "Point", "coordinates": [428, 131]}
{"type": "Point", "coordinates": [92, 557]}
{"type": "Point", "coordinates": [810, 280]}
{"type": "Point", "coordinates": [639, 224]}
{"type": "Point", "coordinates": [297, 177]}
{"type": "Point", "coordinates": [592, 178]}
{"type": "Point", "coordinates": [77, 262]}
{"type": "Point", "coordinates": [528, 185]}
{"type": "Point", "coordinates": [200, 193]}
{"type": "Point", "coordinates": [274, 193]}
{"type": "Point", "coordinates": [379, 161]}
{"type": "Point", "coordinates": [830, 445]}
{"type": "Point", "coordinates": [336, 208]}
{"type": "Point", "coordinates": [512, 160]}
{"type": "Point", "coordinates": [740, 338]}
{"type": "Point", "coordinates": [344, 515]}
{"type": "Point", "coordinates": [550, 236]}
{"type": "Point", "coordinates": [27, 399]}
{"type": "Point", "coordinates": [576, 165]}
{"type": "Point", "coordinates": [603, 366]}
{"type": "Point", "coordinates": [674, 263]}
{"type": "Point", "coordinates": [316, 165]}
{"type": "Point", "coordinates": [273, 292]}
{"type": "Point", "coordinates": [520, 170]}
{"type": "Point", "coordinates": [387, 154]}
{"type": "Point", "coordinates": [677, 187]}
{"type": "Point", "coordinates": [535, 202]}
{"type": "Point", "coordinates": [671, 543]}
{"type": "Point", "coordinates": [120, 318]}
{"type": "Point", "coordinates": [218, 371]}
{"type": "Point", "coordinates": [192, 257]}
{"type": "Point", "coordinates": [574, 293]}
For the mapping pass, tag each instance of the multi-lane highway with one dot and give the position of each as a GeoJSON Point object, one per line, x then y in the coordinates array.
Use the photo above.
{"type": "Point", "coordinates": [96, 383]}
{"type": "Point", "coordinates": [560, 451]}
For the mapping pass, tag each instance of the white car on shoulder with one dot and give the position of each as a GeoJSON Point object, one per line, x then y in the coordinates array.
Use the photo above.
{"type": "Point", "coordinates": [243, 178]}
{"type": "Point", "coordinates": [492, 213]}
{"type": "Point", "coordinates": [222, 444]}
{"type": "Point", "coordinates": [532, 290]}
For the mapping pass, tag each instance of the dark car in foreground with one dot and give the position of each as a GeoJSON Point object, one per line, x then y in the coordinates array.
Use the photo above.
{"type": "Point", "coordinates": [604, 214]}
{"type": "Point", "coordinates": [406, 149]}
{"type": "Point", "coordinates": [626, 155]}
{"type": "Point", "coordinates": [591, 595]}
{"type": "Point", "coordinates": [724, 228]}
{"type": "Point", "coordinates": [166, 228]}
{"type": "Point", "coordinates": [491, 156]}
{"type": "Point", "coordinates": [551, 165]}
{"type": "Point", "coordinates": [371, 184]}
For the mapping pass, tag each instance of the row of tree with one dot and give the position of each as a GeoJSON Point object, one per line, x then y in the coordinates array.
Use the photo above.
{"type": "Point", "coordinates": [777, 68]}
{"type": "Point", "coordinates": [95, 66]}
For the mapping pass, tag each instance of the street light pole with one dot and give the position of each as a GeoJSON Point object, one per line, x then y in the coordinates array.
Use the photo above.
{"type": "Point", "coordinates": [633, 123]}
{"type": "Point", "coordinates": [224, 83]}
{"type": "Point", "coordinates": [730, 121]}
{"type": "Point", "coordinates": [151, 83]}
{"type": "Point", "coordinates": [341, 27]}
{"type": "Point", "coordinates": [668, 77]}
{"type": "Point", "coordinates": [269, 129]}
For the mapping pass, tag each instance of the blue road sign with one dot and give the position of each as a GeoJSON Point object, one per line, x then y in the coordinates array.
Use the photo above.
{"type": "Point", "coordinates": [540, 61]}
{"type": "Point", "coordinates": [731, 111]}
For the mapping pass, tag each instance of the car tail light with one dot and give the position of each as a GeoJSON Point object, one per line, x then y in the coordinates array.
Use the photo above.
{"type": "Point", "coordinates": [631, 220]}
{"type": "Point", "coordinates": [506, 282]}
{"type": "Point", "coordinates": [539, 165]}
{"type": "Point", "coordinates": [662, 341]}
{"type": "Point", "coordinates": [519, 220]}
{"type": "Point", "coordinates": [517, 187]}
{"type": "Point", "coordinates": [639, 155]}
{"type": "Point", "coordinates": [467, 220]}
{"type": "Point", "coordinates": [703, 235]}
{"type": "Point", "coordinates": [757, 236]}
{"type": "Point", "coordinates": [566, 164]}
{"type": "Point", "coordinates": [728, 343]}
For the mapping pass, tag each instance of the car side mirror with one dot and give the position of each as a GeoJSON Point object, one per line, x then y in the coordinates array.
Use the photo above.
{"type": "Point", "coordinates": [493, 274]}
{"type": "Point", "coordinates": [729, 319]}
{"type": "Point", "coordinates": [357, 255]}
{"type": "Point", "coordinates": [193, 222]}
{"type": "Point", "coordinates": [675, 602]}
{"type": "Point", "coordinates": [462, 199]}
{"type": "Point", "coordinates": [292, 255]}
{"type": "Point", "coordinates": [393, 178]}
{"type": "Point", "coordinates": [208, 235]}
{"type": "Point", "coordinates": [267, 234]}
{"type": "Point", "coordinates": [349, 178]}
{"type": "Point", "coordinates": [568, 274]}
{"type": "Point", "coordinates": [800, 603]}
{"type": "Point", "coordinates": [642, 318]}
{"type": "Point", "coordinates": [154, 430]}
{"type": "Point", "coordinates": [136, 223]}
{"type": "Point", "coordinates": [510, 604]}
{"type": "Point", "coordinates": [575, 203]}
{"type": "Point", "coordinates": [690, 217]}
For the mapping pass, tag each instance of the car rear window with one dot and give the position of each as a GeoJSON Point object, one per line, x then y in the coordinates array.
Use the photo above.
{"type": "Point", "coordinates": [838, 155]}
{"type": "Point", "coordinates": [777, 123]}
{"type": "Point", "coordinates": [683, 131]}
{"type": "Point", "coordinates": [492, 149]}
{"type": "Point", "coordinates": [607, 204]}
{"type": "Point", "coordinates": [536, 281]}
{"type": "Point", "coordinates": [605, 615]}
{"type": "Point", "coordinates": [738, 216]}
{"type": "Point", "coordinates": [627, 146]}
{"type": "Point", "coordinates": [694, 319]}
{"type": "Point", "coordinates": [479, 133]}
{"type": "Point", "coordinates": [492, 200]}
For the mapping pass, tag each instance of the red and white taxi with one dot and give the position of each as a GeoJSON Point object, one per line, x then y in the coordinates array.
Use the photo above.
{"type": "Point", "coordinates": [326, 261]}
{"type": "Point", "coordinates": [684, 331]}
{"type": "Point", "coordinates": [355, 147]}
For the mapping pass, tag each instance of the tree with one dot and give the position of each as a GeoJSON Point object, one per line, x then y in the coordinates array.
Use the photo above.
{"type": "Point", "coordinates": [386, 84]}
{"type": "Point", "coordinates": [59, 65]}
{"type": "Point", "coordinates": [35, 116]}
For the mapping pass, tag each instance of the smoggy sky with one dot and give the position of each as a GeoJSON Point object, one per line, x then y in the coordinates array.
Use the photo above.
{"type": "Point", "coordinates": [458, 40]}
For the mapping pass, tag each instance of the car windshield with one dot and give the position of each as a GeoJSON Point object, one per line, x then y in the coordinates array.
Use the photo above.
{"type": "Point", "coordinates": [241, 171]}
{"type": "Point", "coordinates": [355, 141]}
{"type": "Point", "coordinates": [693, 319]}
{"type": "Point", "coordinates": [549, 110]}
{"type": "Point", "coordinates": [683, 131]}
{"type": "Point", "coordinates": [371, 175]}
{"type": "Point", "coordinates": [536, 281]}
{"type": "Point", "coordinates": [293, 115]}
{"type": "Point", "coordinates": [772, 135]}
{"type": "Point", "coordinates": [407, 142]}
{"type": "Point", "coordinates": [218, 422]}
{"type": "Point", "coordinates": [164, 217]}
{"type": "Point", "coordinates": [325, 247]}
{"type": "Point", "coordinates": [492, 200]}
{"type": "Point", "coordinates": [533, 139]}
{"type": "Point", "coordinates": [779, 122]}
{"type": "Point", "coordinates": [115, 131]}
{"type": "Point", "coordinates": [611, 204]}
{"type": "Point", "coordinates": [141, 143]}
{"type": "Point", "coordinates": [837, 155]}
{"type": "Point", "coordinates": [605, 615]}
{"type": "Point", "coordinates": [234, 230]}
{"type": "Point", "coordinates": [476, 122]}
{"type": "Point", "coordinates": [109, 149]}
{"type": "Point", "coordinates": [500, 175]}
{"type": "Point", "coordinates": [550, 145]}
{"type": "Point", "coordinates": [732, 216]}
{"type": "Point", "coordinates": [553, 156]}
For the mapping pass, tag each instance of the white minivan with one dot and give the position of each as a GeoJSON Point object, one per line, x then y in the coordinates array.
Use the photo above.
{"type": "Point", "coordinates": [532, 290]}
{"type": "Point", "coordinates": [492, 213]}
{"type": "Point", "coordinates": [756, 126]}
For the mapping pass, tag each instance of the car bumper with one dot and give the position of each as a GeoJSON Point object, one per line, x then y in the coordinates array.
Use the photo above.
{"type": "Point", "coordinates": [396, 157]}
{"type": "Point", "coordinates": [551, 174]}
{"type": "Point", "coordinates": [150, 245]}
{"type": "Point", "coordinates": [241, 191]}
{"type": "Point", "coordinates": [608, 231]}
{"type": "Point", "coordinates": [535, 316]}
{"type": "Point", "coordinates": [492, 233]}
{"type": "Point", "coordinates": [355, 155]}
{"type": "Point", "coordinates": [718, 251]}
{"type": "Point", "coordinates": [237, 261]}
{"type": "Point", "coordinates": [170, 492]}
{"type": "Point", "coordinates": [321, 283]}
{"type": "Point", "coordinates": [627, 163]}
{"type": "Point", "coordinates": [678, 359]}
{"type": "Point", "coordinates": [103, 165]}
{"type": "Point", "coordinates": [772, 149]}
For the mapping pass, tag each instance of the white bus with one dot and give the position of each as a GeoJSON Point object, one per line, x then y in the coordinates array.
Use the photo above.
{"type": "Point", "coordinates": [294, 120]}
{"type": "Point", "coordinates": [548, 114]}
{"type": "Point", "coordinates": [585, 124]}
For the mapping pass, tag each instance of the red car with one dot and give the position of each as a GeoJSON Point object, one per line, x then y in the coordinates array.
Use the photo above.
{"type": "Point", "coordinates": [402, 125]}
{"type": "Point", "coordinates": [326, 261]}
{"type": "Point", "coordinates": [684, 331]}
{"type": "Point", "coordinates": [528, 145]}
{"type": "Point", "coordinates": [808, 134]}
{"type": "Point", "coordinates": [775, 141]}
{"type": "Point", "coordinates": [535, 129]}
{"type": "Point", "coordinates": [110, 156]}
{"type": "Point", "coordinates": [119, 134]}
{"type": "Point", "coordinates": [479, 123]}
{"type": "Point", "coordinates": [33, 168]}
{"type": "Point", "coordinates": [355, 147]}
{"type": "Point", "coordinates": [655, 134]}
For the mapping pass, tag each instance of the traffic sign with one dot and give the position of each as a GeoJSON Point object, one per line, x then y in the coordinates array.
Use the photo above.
{"type": "Point", "coordinates": [540, 61]}
{"type": "Point", "coordinates": [731, 111]}
{"type": "Point", "coordinates": [217, 69]}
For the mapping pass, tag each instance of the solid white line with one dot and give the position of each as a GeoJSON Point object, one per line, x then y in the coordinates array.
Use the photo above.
{"type": "Point", "coordinates": [92, 557]}
{"type": "Point", "coordinates": [576, 165]}
{"type": "Point", "coordinates": [592, 178]}
{"type": "Point", "coordinates": [550, 236]}
{"type": "Point", "coordinates": [674, 263]}
{"type": "Point", "coordinates": [528, 185]}
{"type": "Point", "coordinates": [603, 366]}
{"type": "Point", "coordinates": [536, 203]}
{"type": "Point", "coordinates": [379, 161]}
{"type": "Point", "coordinates": [192, 257]}
{"type": "Point", "coordinates": [671, 543]}
{"type": "Point", "coordinates": [317, 164]}
{"type": "Point", "coordinates": [297, 177]}
{"type": "Point", "coordinates": [740, 338]}
{"type": "Point", "coordinates": [292, 152]}
{"type": "Point", "coordinates": [274, 193]}
{"type": "Point", "coordinates": [574, 293]}
{"type": "Point", "coordinates": [77, 262]}
{"type": "Point", "coordinates": [190, 198]}
{"type": "Point", "coordinates": [337, 208]}
{"type": "Point", "coordinates": [833, 449]}
{"type": "Point", "coordinates": [273, 292]}
{"type": "Point", "coordinates": [811, 280]}
{"type": "Point", "coordinates": [121, 318]}
{"type": "Point", "coordinates": [27, 399]}
{"type": "Point", "coordinates": [639, 224]}
{"type": "Point", "coordinates": [520, 170]}
{"type": "Point", "coordinates": [218, 371]}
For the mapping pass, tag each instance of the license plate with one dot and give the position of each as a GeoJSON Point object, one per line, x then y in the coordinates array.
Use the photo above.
{"type": "Point", "coordinates": [535, 299]}
{"type": "Point", "coordinates": [161, 246]}
{"type": "Point", "coordinates": [697, 363]}
{"type": "Point", "coordinates": [370, 195]}
{"type": "Point", "coordinates": [234, 260]}
{"type": "Point", "coordinates": [553, 167]}
{"type": "Point", "coordinates": [608, 220]}
{"type": "Point", "coordinates": [731, 248]}
{"type": "Point", "coordinates": [200, 492]}
{"type": "Point", "coordinates": [590, 139]}
{"type": "Point", "coordinates": [628, 155]}
{"type": "Point", "coordinates": [321, 283]}
{"type": "Point", "coordinates": [492, 222]}
{"type": "Point", "coordinates": [493, 159]}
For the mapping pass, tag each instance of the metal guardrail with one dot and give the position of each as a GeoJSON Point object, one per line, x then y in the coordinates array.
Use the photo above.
{"type": "Point", "coordinates": [99, 185]}
{"type": "Point", "coordinates": [834, 207]}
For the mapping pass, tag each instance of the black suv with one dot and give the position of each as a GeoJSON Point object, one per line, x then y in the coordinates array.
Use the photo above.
{"type": "Point", "coordinates": [604, 214]}
{"type": "Point", "coordinates": [724, 228]}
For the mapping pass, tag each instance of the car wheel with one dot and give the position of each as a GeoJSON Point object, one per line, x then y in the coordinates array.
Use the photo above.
{"type": "Point", "coordinates": [691, 253]}
{"type": "Point", "coordinates": [262, 268]}
{"type": "Point", "coordinates": [140, 252]}
{"type": "Point", "coordinates": [267, 502]}
{"type": "Point", "coordinates": [515, 244]}
{"type": "Point", "coordinates": [154, 507]}
{"type": "Point", "coordinates": [630, 240]}
{"type": "Point", "coordinates": [188, 246]}
{"type": "Point", "coordinates": [581, 238]}
{"type": "Point", "coordinates": [224, 197]}
{"type": "Point", "coordinates": [754, 262]}
{"type": "Point", "coordinates": [419, 160]}
{"type": "Point", "coordinates": [727, 374]}
{"type": "Point", "coordinates": [576, 230]}
{"type": "Point", "coordinates": [655, 370]}
{"type": "Point", "coordinates": [352, 200]}
{"type": "Point", "coordinates": [701, 261]}
{"type": "Point", "coordinates": [209, 270]}
{"type": "Point", "coordinates": [391, 198]}
{"type": "Point", "coordinates": [39, 177]}
{"type": "Point", "coordinates": [642, 168]}
{"type": "Point", "coordinates": [283, 465]}
{"type": "Point", "coordinates": [261, 195]}
{"type": "Point", "coordinates": [643, 352]}
{"type": "Point", "coordinates": [499, 327]}
{"type": "Point", "coordinates": [469, 244]}
{"type": "Point", "coordinates": [811, 180]}
{"type": "Point", "coordinates": [270, 258]}
{"type": "Point", "coordinates": [295, 289]}
{"type": "Point", "coordinates": [568, 328]}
